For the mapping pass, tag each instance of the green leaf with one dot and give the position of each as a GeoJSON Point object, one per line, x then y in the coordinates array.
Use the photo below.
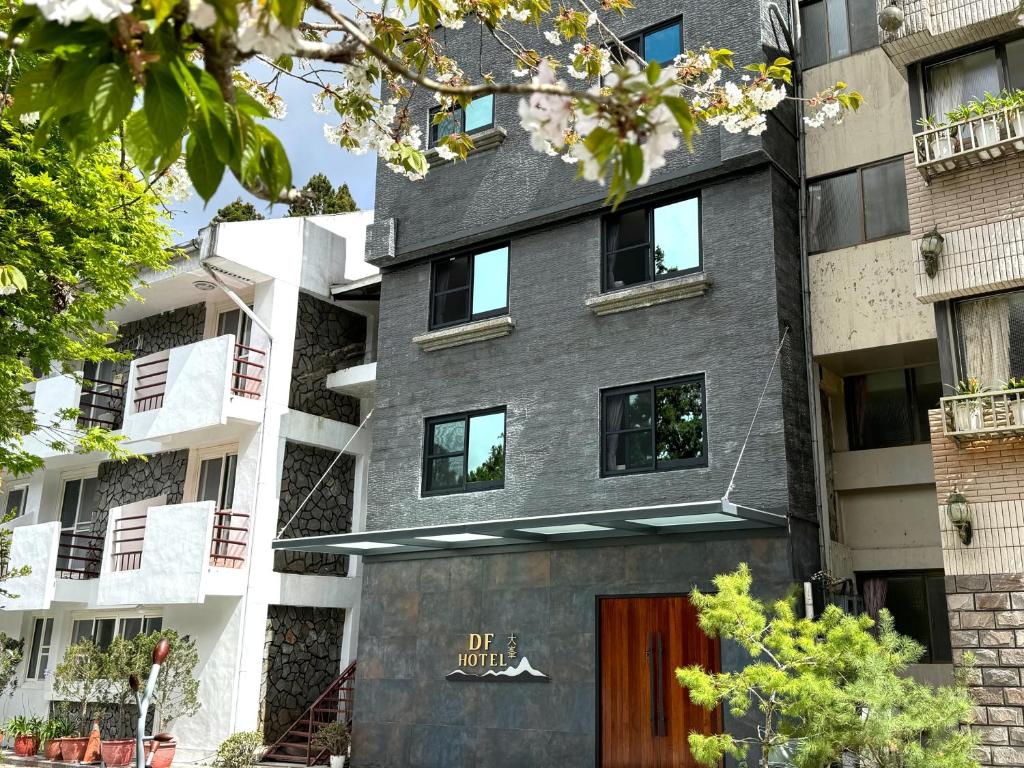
{"type": "Point", "coordinates": [680, 109]}
{"type": "Point", "coordinates": [653, 72]}
{"type": "Point", "coordinates": [633, 162]}
{"type": "Point", "coordinates": [275, 169]}
{"type": "Point", "coordinates": [111, 93]}
{"type": "Point", "coordinates": [165, 105]}
{"type": "Point", "coordinates": [140, 142]}
{"type": "Point", "coordinates": [12, 277]}
{"type": "Point", "coordinates": [201, 161]}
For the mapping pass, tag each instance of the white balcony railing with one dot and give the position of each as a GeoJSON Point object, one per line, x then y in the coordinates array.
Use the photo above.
{"type": "Point", "coordinates": [983, 415]}
{"type": "Point", "coordinates": [970, 142]}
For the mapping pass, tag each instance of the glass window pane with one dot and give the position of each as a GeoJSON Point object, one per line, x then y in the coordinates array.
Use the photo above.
{"type": "Point", "coordinates": [679, 429]}
{"type": "Point", "coordinates": [37, 637]}
{"type": "Point", "coordinates": [451, 307]}
{"type": "Point", "coordinates": [130, 628]}
{"type": "Point", "coordinates": [991, 338]}
{"type": "Point", "coordinates": [629, 451]}
{"type": "Point", "coordinates": [490, 281]}
{"type": "Point", "coordinates": [451, 290]}
{"type": "Point", "coordinates": [863, 24]}
{"type": "Point", "coordinates": [227, 322]}
{"type": "Point", "coordinates": [1015, 64]}
{"type": "Point", "coordinates": [905, 599]}
{"type": "Point", "coordinates": [834, 213]}
{"type": "Point", "coordinates": [209, 479]}
{"type": "Point", "coordinates": [885, 200]}
{"type": "Point", "coordinates": [878, 411]}
{"type": "Point", "coordinates": [486, 448]}
{"type": "Point", "coordinates": [956, 82]}
{"type": "Point", "coordinates": [662, 45]}
{"type": "Point", "coordinates": [838, 29]}
{"type": "Point", "coordinates": [632, 43]}
{"type": "Point", "coordinates": [444, 474]}
{"type": "Point", "coordinates": [15, 502]}
{"type": "Point", "coordinates": [627, 229]}
{"type": "Point", "coordinates": [69, 505]}
{"type": "Point", "coordinates": [813, 34]}
{"type": "Point", "coordinates": [628, 267]}
{"type": "Point", "coordinates": [104, 633]}
{"type": "Point", "coordinates": [152, 624]}
{"type": "Point", "coordinates": [677, 237]}
{"type": "Point", "coordinates": [447, 437]}
{"type": "Point", "coordinates": [227, 488]}
{"type": "Point", "coordinates": [631, 410]}
{"type": "Point", "coordinates": [449, 124]}
{"type": "Point", "coordinates": [81, 630]}
{"type": "Point", "coordinates": [927, 391]}
{"type": "Point", "coordinates": [87, 506]}
{"type": "Point", "coordinates": [940, 642]}
{"type": "Point", "coordinates": [480, 113]}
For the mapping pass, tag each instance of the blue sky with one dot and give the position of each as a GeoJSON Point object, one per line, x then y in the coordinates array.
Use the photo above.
{"type": "Point", "coordinates": [309, 153]}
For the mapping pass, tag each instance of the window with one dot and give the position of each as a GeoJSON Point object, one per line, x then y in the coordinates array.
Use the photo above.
{"type": "Point", "coordinates": [647, 244]}
{"type": "Point", "coordinates": [854, 207]}
{"type": "Point", "coordinates": [478, 116]}
{"type": "Point", "coordinates": [654, 427]}
{"type": "Point", "coordinates": [465, 453]}
{"type": "Point", "coordinates": [39, 659]}
{"type": "Point", "coordinates": [917, 602]}
{"type": "Point", "coordinates": [469, 287]}
{"type": "Point", "coordinates": [890, 408]}
{"type": "Point", "coordinates": [990, 337]}
{"type": "Point", "coordinates": [14, 502]}
{"type": "Point", "coordinates": [949, 84]}
{"type": "Point", "coordinates": [102, 631]}
{"type": "Point", "coordinates": [660, 44]}
{"type": "Point", "coordinates": [217, 484]}
{"type": "Point", "coordinates": [832, 29]}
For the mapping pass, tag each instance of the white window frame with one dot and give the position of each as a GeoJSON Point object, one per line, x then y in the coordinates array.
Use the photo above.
{"type": "Point", "coordinates": [36, 670]}
{"type": "Point", "coordinates": [14, 488]}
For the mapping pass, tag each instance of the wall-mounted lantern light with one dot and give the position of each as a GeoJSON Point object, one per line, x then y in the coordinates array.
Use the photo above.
{"type": "Point", "coordinates": [959, 513]}
{"type": "Point", "coordinates": [931, 249]}
{"type": "Point", "coordinates": [891, 17]}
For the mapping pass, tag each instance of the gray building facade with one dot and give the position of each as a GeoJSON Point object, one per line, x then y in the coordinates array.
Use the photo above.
{"type": "Point", "coordinates": [551, 363]}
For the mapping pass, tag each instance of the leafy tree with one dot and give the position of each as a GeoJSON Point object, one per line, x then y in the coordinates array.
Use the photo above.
{"type": "Point", "coordinates": [11, 653]}
{"type": "Point", "coordinates": [319, 197]}
{"type": "Point", "coordinates": [237, 211]}
{"type": "Point", "coordinates": [81, 678]}
{"type": "Point", "coordinates": [821, 688]}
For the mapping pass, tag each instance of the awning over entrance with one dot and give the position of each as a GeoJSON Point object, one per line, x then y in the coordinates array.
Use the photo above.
{"type": "Point", "coordinates": [658, 520]}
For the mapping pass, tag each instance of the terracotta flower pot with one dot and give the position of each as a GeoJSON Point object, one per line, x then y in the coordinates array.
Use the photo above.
{"type": "Point", "coordinates": [51, 749]}
{"type": "Point", "coordinates": [164, 754]}
{"type": "Point", "coordinates": [72, 749]}
{"type": "Point", "coordinates": [117, 752]}
{"type": "Point", "coordinates": [25, 746]}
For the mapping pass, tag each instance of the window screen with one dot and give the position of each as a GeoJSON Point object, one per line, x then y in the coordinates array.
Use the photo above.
{"type": "Point", "coordinates": [856, 206]}
{"type": "Point", "coordinates": [990, 336]}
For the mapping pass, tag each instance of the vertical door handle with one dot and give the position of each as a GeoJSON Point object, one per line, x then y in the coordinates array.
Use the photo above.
{"type": "Point", "coordinates": [652, 684]}
{"type": "Point", "coordinates": [660, 680]}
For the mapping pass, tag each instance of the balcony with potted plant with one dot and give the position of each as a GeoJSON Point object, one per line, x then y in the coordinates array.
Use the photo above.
{"type": "Point", "coordinates": [976, 411]}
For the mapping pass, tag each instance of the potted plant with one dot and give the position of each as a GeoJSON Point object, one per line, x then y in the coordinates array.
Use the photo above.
{"type": "Point", "coordinates": [940, 143]}
{"type": "Point", "coordinates": [334, 739]}
{"type": "Point", "coordinates": [967, 412]}
{"type": "Point", "coordinates": [54, 731]}
{"type": "Point", "coordinates": [1015, 400]}
{"type": "Point", "coordinates": [117, 752]}
{"type": "Point", "coordinates": [26, 731]}
{"type": "Point", "coordinates": [80, 679]}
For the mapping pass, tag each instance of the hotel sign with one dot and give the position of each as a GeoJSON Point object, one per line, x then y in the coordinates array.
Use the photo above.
{"type": "Point", "coordinates": [482, 660]}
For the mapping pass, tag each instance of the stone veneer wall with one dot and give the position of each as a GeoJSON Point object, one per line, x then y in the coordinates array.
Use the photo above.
{"type": "Point", "coordinates": [184, 325]}
{"type": "Point", "coordinates": [134, 480]}
{"type": "Point", "coordinates": [329, 510]}
{"type": "Point", "coordinates": [327, 338]}
{"type": "Point", "coordinates": [302, 656]}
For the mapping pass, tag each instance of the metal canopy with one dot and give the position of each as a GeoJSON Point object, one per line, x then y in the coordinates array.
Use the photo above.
{"type": "Point", "coordinates": [693, 517]}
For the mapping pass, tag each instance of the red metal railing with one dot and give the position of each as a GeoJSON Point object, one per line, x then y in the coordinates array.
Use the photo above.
{"type": "Point", "coordinates": [335, 703]}
{"type": "Point", "coordinates": [101, 404]}
{"type": "Point", "coordinates": [247, 379]}
{"type": "Point", "coordinates": [150, 383]}
{"type": "Point", "coordinates": [79, 555]}
{"type": "Point", "coordinates": [126, 542]}
{"type": "Point", "coordinates": [230, 538]}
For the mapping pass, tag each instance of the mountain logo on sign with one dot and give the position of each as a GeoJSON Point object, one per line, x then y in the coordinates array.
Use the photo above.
{"type": "Point", "coordinates": [523, 672]}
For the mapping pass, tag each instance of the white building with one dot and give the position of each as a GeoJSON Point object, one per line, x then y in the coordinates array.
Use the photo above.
{"type": "Point", "coordinates": [233, 349]}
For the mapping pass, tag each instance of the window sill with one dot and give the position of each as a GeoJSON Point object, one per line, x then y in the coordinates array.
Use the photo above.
{"type": "Point", "coordinates": [649, 294]}
{"type": "Point", "coordinates": [488, 139]}
{"type": "Point", "coordinates": [479, 330]}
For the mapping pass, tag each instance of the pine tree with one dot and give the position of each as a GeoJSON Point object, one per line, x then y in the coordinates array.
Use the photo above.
{"type": "Point", "coordinates": [319, 197]}
{"type": "Point", "coordinates": [237, 211]}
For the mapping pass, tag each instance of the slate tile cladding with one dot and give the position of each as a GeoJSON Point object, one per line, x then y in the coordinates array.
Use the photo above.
{"type": "Point", "coordinates": [120, 483]}
{"type": "Point", "coordinates": [156, 333]}
{"type": "Point", "coordinates": [327, 338]}
{"type": "Point", "coordinates": [301, 655]}
{"type": "Point", "coordinates": [513, 181]}
{"type": "Point", "coordinates": [986, 619]}
{"type": "Point", "coordinates": [329, 509]}
{"type": "Point", "coordinates": [416, 614]}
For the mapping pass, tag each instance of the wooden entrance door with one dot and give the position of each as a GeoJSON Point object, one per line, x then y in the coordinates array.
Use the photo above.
{"type": "Point", "coordinates": [645, 714]}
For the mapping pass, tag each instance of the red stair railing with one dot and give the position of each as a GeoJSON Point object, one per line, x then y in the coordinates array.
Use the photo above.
{"type": "Point", "coordinates": [247, 379]}
{"type": "Point", "coordinates": [230, 538]}
{"type": "Point", "coordinates": [79, 555]}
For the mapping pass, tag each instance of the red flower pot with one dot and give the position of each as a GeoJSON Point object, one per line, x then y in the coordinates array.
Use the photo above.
{"type": "Point", "coordinates": [72, 749]}
{"type": "Point", "coordinates": [51, 749]}
{"type": "Point", "coordinates": [164, 754]}
{"type": "Point", "coordinates": [117, 752]}
{"type": "Point", "coordinates": [25, 746]}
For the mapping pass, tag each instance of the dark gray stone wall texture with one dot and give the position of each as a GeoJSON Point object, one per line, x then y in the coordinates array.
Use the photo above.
{"type": "Point", "coordinates": [325, 336]}
{"type": "Point", "coordinates": [156, 333]}
{"type": "Point", "coordinates": [513, 182]}
{"type": "Point", "coordinates": [302, 654]}
{"type": "Point", "coordinates": [416, 615]}
{"type": "Point", "coordinates": [120, 483]}
{"type": "Point", "coordinates": [329, 509]}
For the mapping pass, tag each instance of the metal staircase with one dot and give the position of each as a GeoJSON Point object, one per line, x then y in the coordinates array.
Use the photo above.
{"type": "Point", "coordinates": [295, 747]}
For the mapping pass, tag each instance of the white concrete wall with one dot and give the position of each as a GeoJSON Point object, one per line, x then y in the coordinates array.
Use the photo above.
{"type": "Point", "coordinates": [34, 546]}
{"type": "Point", "coordinates": [52, 395]}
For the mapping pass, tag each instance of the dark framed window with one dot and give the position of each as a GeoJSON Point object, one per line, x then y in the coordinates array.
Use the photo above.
{"type": "Point", "coordinates": [42, 646]}
{"type": "Point", "coordinates": [661, 43]}
{"type": "Point", "coordinates": [652, 243]}
{"type": "Point", "coordinates": [832, 29]}
{"type": "Point", "coordinates": [857, 206]}
{"type": "Point", "coordinates": [478, 116]}
{"type": "Point", "coordinates": [954, 81]}
{"type": "Point", "coordinates": [653, 427]}
{"type": "Point", "coordinates": [990, 337]}
{"type": "Point", "coordinates": [15, 502]}
{"type": "Point", "coordinates": [102, 631]}
{"type": "Point", "coordinates": [470, 286]}
{"type": "Point", "coordinates": [917, 602]}
{"type": "Point", "coordinates": [890, 408]}
{"type": "Point", "coordinates": [464, 452]}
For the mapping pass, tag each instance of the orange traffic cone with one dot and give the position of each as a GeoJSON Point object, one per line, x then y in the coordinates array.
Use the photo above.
{"type": "Point", "coordinates": [92, 749]}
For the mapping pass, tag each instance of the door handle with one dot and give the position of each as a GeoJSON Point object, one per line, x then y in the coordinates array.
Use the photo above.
{"type": "Point", "coordinates": [652, 685]}
{"type": "Point", "coordinates": [660, 681]}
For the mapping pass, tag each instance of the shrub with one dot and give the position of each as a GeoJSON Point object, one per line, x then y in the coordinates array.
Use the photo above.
{"type": "Point", "coordinates": [333, 737]}
{"type": "Point", "coordinates": [240, 750]}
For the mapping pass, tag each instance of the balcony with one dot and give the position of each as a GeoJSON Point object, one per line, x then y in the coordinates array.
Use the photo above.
{"type": "Point", "coordinates": [358, 381]}
{"type": "Point", "coordinates": [63, 564]}
{"type": "Point", "coordinates": [989, 414]}
{"type": "Point", "coordinates": [194, 387]}
{"type": "Point", "coordinates": [172, 553]}
{"type": "Point", "coordinates": [101, 404]}
{"type": "Point", "coordinates": [970, 142]}
{"type": "Point", "coordinates": [934, 27]}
